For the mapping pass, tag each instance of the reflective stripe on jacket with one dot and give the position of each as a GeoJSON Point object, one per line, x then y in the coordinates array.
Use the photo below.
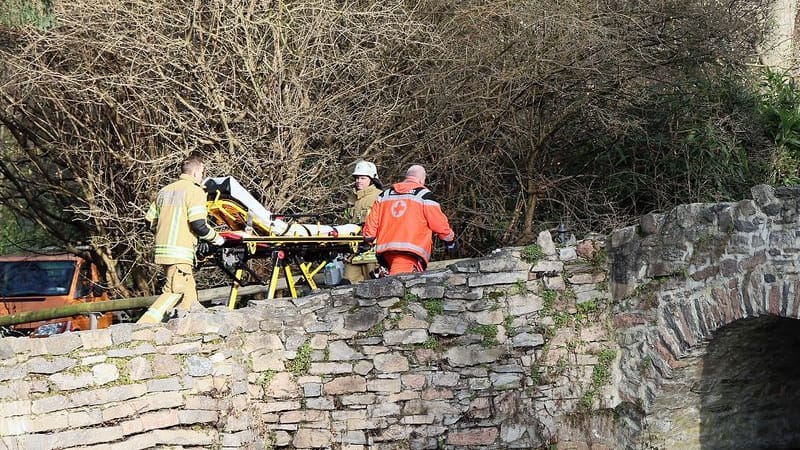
{"type": "Point", "coordinates": [403, 218]}
{"type": "Point", "coordinates": [176, 205]}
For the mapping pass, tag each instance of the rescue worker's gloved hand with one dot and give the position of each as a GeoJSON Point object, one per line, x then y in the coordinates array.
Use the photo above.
{"type": "Point", "coordinates": [203, 249]}
{"type": "Point", "coordinates": [364, 246]}
{"type": "Point", "coordinates": [219, 241]}
{"type": "Point", "coordinates": [451, 246]}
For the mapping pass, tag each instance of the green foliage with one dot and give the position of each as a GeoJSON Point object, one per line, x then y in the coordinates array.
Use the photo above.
{"type": "Point", "coordinates": [17, 13]}
{"type": "Point", "coordinates": [432, 343]}
{"type": "Point", "coordinates": [600, 258]}
{"type": "Point", "coordinates": [18, 234]}
{"type": "Point", "coordinates": [780, 111]}
{"type": "Point", "coordinates": [585, 310]}
{"type": "Point", "coordinates": [520, 287]}
{"type": "Point", "coordinates": [536, 374]}
{"type": "Point", "coordinates": [302, 360]}
{"type": "Point", "coordinates": [549, 296]}
{"type": "Point", "coordinates": [646, 365]}
{"type": "Point", "coordinates": [266, 378]}
{"type": "Point", "coordinates": [495, 295]}
{"type": "Point", "coordinates": [560, 319]}
{"type": "Point", "coordinates": [434, 307]}
{"type": "Point", "coordinates": [601, 374]}
{"type": "Point", "coordinates": [532, 253]}
{"type": "Point", "coordinates": [410, 297]}
{"type": "Point", "coordinates": [488, 332]}
{"type": "Point", "coordinates": [507, 323]}
{"type": "Point", "coordinates": [704, 143]}
{"type": "Point", "coordinates": [376, 330]}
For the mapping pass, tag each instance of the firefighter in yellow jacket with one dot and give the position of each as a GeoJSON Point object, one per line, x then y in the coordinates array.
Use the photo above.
{"type": "Point", "coordinates": [366, 188]}
{"type": "Point", "coordinates": [179, 215]}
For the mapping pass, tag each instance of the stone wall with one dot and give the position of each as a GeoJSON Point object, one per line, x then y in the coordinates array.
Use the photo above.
{"type": "Point", "coordinates": [490, 353]}
{"type": "Point", "coordinates": [679, 279]}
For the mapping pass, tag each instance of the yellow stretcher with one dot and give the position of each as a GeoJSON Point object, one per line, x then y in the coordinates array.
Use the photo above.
{"type": "Point", "coordinates": [251, 232]}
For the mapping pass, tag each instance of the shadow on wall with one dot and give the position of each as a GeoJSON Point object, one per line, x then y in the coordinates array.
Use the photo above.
{"type": "Point", "coordinates": [750, 386]}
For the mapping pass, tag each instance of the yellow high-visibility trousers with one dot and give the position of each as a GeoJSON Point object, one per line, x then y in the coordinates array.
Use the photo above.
{"type": "Point", "coordinates": [179, 285]}
{"type": "Point", "coordinates": [159, 307]}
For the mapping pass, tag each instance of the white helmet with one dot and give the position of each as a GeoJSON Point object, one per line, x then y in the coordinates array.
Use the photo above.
{"type": "Point", "coordinates": [365, 168]}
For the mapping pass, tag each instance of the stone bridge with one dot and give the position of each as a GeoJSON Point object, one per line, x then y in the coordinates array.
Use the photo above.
{"type": "Point", "coordinates": [674, 333]}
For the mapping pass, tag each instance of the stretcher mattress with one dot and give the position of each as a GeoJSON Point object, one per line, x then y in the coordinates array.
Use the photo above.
{"type": "Point", "coordinates": [232, 203]}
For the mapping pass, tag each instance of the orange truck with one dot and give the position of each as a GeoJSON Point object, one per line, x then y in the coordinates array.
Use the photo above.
{"type": "Point", "coordinates": [50, 280]}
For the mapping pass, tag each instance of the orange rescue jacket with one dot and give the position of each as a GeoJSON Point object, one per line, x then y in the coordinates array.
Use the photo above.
{"type": "Point", "coordinates": [403, 218]}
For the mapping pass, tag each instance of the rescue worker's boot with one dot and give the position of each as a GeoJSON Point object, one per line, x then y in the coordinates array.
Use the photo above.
{"type": "Point", "coordinates": [163, 303]}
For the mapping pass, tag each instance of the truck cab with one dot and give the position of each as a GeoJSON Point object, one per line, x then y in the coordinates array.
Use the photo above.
{"type": "Point", "coordinates": [41, 281]}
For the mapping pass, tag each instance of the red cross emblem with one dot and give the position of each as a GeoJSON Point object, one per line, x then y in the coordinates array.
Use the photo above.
{"type": "Point", "coordinates": [399, 208]}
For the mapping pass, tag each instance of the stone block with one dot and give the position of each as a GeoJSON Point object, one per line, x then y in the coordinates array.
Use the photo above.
{"type": "Point", "coordinates": [390, 363]}
{"type": "Point", "coordinates": [63, 344]}
{"type": "Point", "coordinates": [281, 406]}
{"type": "Point", "coordinates": [164, 385]}
{"type": "Point", "coordinates": [390, 385]}
{"type": "Point", "coordinates": [95, 339]}
{"type": "Point", "coordinates": [363, 367]}
{"type": "Point", "coordinates": [427, 291]}
{"type": "Point", "coordinates": [50, 365]}
{"type": "Point", "coordinates": [325, 368]}
{"type": "Point", "coordinates": [357, 399]}
{"type": "Point", "coordinates": [473, 355]}
{"type": "Point", "coordinates": [15, 408]}
{"type": "Point", "coordinates": [184, 348]}
{"type": "Point", "coordinates": [408, 322]}
{"type": "Point", "coordinates": [71, 382]}
{"type": "Point", "coordinates": [104, 373]}
{"type": "Point", "coordinates": [405, 337]}
{"type": "Point", "coordinates": [496, 278]}
{"type": "Point", "coordinates": [268, 360]}
{"type": "Point", "coordinates": [473, 437]}
{"type": "Point", "coordinates": [262, 341]}
{"type": "Point", "coordinates": [346, 385]}
{"type": "Point", "coordinates": [165, 365]}
{"type": "Point", "coordinates": [448, 325]}
{"type": "Point", "coordinates": [436, 394]}
{"type": "Point", "coordinates": [524, 304]}
{"type": "Point", "coordinates": [311, 438]}
{"type": "Point", "coordinates": [487, 317]}
{"type": "Point", "coordinates": [383, 409]}
{"type": "Point", "coordinates": [185, 437]}
{"type": "Point", "coordinates": [324, 403]}
{"type": "Point", "coordinates": [340, 351]}
{"type": "Point", "coordinates": [448, 379]}
{"type": "Point", "coordinates": [545, 241]}
{"type": "Point", "coordinates": [380, 288]}
{"type": "Point", "coordinates": [17, 372]}
{"type": "Point", "coordinates": [364, 319]}
{"type": "Point", "coordinates": [413, 380]}
{"type": "Point", "coordinates": [567, 254]}
{"type": "Point", "coordinates": [502, 264]}
{"type": "Point", "coordinates": [48, 404]}
{"type": "Point", "coordinates": [304, 416]}
{"type": "Point", "coordinates": [526, 340]}
{"type": "Point", "coordinates": [464, 293]}
{"type": "Point", "coordinates": [312, 389]}
{"type": "Point", "coordinates": [85, 418]}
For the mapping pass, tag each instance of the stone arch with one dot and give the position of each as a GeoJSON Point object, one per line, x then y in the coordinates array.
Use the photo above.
{"type": "Point", "coordinates": [680, 277]}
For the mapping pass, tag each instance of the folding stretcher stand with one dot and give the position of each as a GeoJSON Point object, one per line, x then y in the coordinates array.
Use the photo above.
{"type": "Point", "coordinates": [252, 232]}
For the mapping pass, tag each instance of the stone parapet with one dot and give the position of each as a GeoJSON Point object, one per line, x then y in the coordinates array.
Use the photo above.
{"type": "Point", "coordinates": [497, 353]}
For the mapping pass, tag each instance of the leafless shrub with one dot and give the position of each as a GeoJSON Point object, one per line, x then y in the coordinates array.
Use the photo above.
{"type": "Point", "coordinates": [510, 105]}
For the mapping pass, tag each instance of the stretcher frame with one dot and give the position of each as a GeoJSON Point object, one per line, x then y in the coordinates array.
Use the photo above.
{"type": "Point", "coordinates": [248, 238]}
